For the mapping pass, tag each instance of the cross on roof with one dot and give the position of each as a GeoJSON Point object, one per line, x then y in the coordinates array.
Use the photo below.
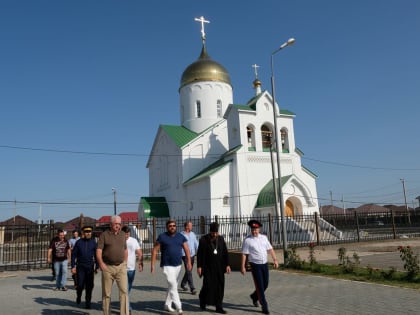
{"type": "Point", "coordinates": [255, 66]}
{"type": "Point", "coordinates": [202, 20]}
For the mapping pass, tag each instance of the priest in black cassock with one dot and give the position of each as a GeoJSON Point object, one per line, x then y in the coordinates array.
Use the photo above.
{"type": "Point", "coordinates": [212, 264]}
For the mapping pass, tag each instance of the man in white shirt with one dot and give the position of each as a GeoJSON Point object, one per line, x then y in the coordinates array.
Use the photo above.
{"type": "Point", "coordinates": [134, 251]}
{"type": "Point", "coordinates": [256, 247]}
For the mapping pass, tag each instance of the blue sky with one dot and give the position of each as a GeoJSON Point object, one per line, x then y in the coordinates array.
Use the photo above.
{"type": "Point", "coordinates": [84, 86]}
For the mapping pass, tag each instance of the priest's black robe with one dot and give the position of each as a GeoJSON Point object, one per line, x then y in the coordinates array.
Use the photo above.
{"type": "Point", "coordinates": [212, 257]}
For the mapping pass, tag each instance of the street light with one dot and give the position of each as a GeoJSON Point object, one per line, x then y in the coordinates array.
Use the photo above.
{"type": "Point", "coordinates": [279, 194]}
{"type": "Point", "coordinates": [114, 190]}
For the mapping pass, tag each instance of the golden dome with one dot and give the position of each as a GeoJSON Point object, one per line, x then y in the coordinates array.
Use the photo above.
{"type": "Point", "coordinates": [205, 69]}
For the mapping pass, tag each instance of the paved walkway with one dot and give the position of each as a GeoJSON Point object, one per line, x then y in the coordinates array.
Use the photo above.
{"type": "Point", "coordinates": [288, 293]}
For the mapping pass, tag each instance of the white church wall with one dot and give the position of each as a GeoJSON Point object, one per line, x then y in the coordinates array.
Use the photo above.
{"type": "Point", "coordinates": [204, 150]}
{"type": "Point", "coordinates": [197, 198]}
{"type": "Point", "coordinates": [222, 187]}
{"type": "Point", "coordinates": [254, 171]}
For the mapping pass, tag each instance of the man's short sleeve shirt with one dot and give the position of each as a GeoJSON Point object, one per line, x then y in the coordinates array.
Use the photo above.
{"type": "Point", "coordinates": [171, 249]}
{"type": "Point", "coordinates": [256, 248]}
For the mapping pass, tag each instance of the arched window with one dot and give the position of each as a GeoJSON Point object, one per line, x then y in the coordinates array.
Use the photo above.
{"type": "Point", "coordinates": [250, 135]}
{"type": "Point", "coordinates": [226, 200]}
{"type": "Point", "coordinates": [219, 108]}
{"type": "Point", "coordinates": [198, 109]}
{"type": "Point", "coordinates": [266, 137]}
{"type": "Point", "coordinates": [284, 140]}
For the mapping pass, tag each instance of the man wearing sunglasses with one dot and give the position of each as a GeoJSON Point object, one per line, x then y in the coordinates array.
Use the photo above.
{"type": "Point", "coordinates": [171, 243]}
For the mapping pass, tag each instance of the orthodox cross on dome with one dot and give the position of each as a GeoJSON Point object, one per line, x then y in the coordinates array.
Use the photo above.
{"type": "Point", "coordinates": [202, 20]}
{"type": "Point", "coordinates": [255, 66]}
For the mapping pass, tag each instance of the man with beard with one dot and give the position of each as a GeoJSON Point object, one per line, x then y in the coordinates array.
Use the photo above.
{"type": "Point", "coordinates": [212, 264]}
{"type": "Point", "coordinates": [83, 265]}
{"type": "Point", "coordinates": [170, 244]}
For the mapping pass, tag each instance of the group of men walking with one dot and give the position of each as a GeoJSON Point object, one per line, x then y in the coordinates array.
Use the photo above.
{"type": "Point", "coordinates": [116, 253]}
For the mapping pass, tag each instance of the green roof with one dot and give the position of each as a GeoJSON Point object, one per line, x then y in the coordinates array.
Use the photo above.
{"type": "Point", "coordinates": [213, 168]}
{"type": "Point", "coordinates": [155, 207]}
{"type": "Point", "coordinates": [266, 196]}
{"type": "Point", "coordinates": [179, 134]}
{"type": "Point", "coordinates": [251, 107]}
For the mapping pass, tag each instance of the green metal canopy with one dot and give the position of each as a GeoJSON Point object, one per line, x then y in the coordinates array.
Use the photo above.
{"type": "Point", "coordinates": [266, 197]}
{"type": "Point", "coordinates": [154, 207]}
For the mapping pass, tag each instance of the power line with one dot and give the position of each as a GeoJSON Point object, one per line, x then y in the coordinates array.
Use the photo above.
{"type": "Point", "coordinates": [362, 166]}
{"type": "Point", "coordinates": [146, 155]}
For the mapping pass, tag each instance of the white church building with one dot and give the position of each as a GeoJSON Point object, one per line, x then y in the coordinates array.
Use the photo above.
{"type": "Point", "coordinates": [219, 161]}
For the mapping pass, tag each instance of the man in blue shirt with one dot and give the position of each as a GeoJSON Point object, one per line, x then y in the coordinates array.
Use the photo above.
{"type": "Point", "coordinates": [193, 246]}
{"type": "Point", "coordinates": [171, 243]}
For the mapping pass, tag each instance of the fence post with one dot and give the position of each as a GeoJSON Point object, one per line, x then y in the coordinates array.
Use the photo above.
{"type": "Point", "coordinates": [357, 226]}
{"type": "Point", "coordinates": [394, 232]}
{"type": "Point", "coordinates": [154, 230]}
{"type": "Point", "coordinates": [270, 228]}
{"type": "Point", "coordinates": [52, 232]}
{"type": "Point", "coordinates": [202, 225]}
{"type": "Point", "coordinates": [317, 228]}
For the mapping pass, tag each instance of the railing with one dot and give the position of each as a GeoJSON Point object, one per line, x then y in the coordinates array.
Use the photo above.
{"type": "Point", "coordinates": [25, 247]}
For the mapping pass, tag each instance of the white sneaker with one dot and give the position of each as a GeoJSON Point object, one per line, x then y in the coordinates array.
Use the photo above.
{"type": "Point", "coordinates": [169, 308]}
{"type": "Point", "coordinates": [180, 312]}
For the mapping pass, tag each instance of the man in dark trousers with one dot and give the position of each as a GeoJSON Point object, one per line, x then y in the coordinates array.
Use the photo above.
{"type": "Point", "coordinates": [212, 264]}
{"type": "Point", "coordinates": [83, 265]}
{"type": "Point", "coordinates": [255, 247]}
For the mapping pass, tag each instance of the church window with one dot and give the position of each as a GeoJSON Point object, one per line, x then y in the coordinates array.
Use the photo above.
{"type": "Point", "coordinates": [198, 109]}
{"type": "Point", "coordinates": [266, 137]}
{"type": "Point", "coordinates": [250, 138]}
{"type": "Point", "coordinates": [226, 200]}
{"type": "Point", "coordinates": [284, 140]}
{"type": "Point", "coordinates": [219, 108]}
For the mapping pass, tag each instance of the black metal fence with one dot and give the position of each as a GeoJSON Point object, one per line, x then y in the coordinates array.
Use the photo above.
{"type": "Point", "coordinates": [25, 247]}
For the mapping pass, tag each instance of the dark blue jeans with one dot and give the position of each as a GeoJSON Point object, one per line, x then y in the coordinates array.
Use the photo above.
{"type": "Point", "coordinates": [188, 278]}
{"type": "Point", "coordinates": [130, 278]}
{"type": "Point", "coordinates": [260, 276]}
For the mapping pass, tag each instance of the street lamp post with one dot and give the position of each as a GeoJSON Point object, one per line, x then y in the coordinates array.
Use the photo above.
{"type": "Point", "coordinates": [405, 201]}
{"type": "Point", "coordinates": [115, 200]}
{"type": "Point", "coordinates": [279, 194]}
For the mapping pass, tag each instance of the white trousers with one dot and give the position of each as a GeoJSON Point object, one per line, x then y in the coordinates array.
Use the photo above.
{"type": "Point", "coordinates": [172, 274]}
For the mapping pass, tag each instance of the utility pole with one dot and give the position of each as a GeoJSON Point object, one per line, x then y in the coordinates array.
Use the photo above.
{"type": "Point", "coordinates": [114, 190]}
{"type": "Point", "coordinates": [332, 206]}
{"type": "Point", "coordinates": [405, 201]}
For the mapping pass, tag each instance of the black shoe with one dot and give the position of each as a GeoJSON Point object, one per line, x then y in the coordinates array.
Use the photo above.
{"type": "Point", "coordinates": [193, 291]}
{"type": "Point", "coordinates": [220, 311]}
{"type": "Point", "coordinates": [78, 300]}
{"type": "Point", "coordinates": [203, 306]}
{"type": "Point", "coordinates": [88, 307]}
{"type": "Point", "coordinates": [265, 312]}
{"type": "Point", "coordinates": [254, 301]}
